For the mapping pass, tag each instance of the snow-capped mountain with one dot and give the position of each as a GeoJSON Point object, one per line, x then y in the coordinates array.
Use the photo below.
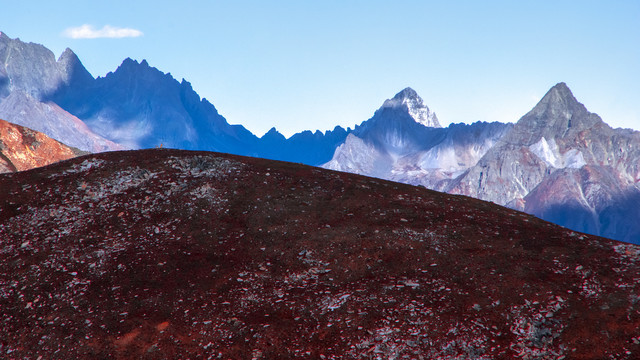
{"type": "Point", "coordinates": [413, 104]}
{"type": "Point", "coordinates": [397, 144]}
{"type": "Point", "coordinates": [559, 162]}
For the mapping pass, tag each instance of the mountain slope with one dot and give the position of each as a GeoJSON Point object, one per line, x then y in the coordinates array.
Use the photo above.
{"type": "Point", "coordinates": [560, 135]}
{"type": "Point", "coordinates": [176, 254]}
{"type": "Point", "coordinates": [142, 107]}
{"type": "Point", "coordinates": [22, 148]}
{"type": "Point", "coordinates": [559, 162]}
{"type": "Point", "coordinates": [29, 74]}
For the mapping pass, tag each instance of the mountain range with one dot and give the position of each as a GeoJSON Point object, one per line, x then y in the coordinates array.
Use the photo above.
{"type": "Point", "coordinates": [173, 254]}
{"type": "Point", "coordinates": [559, 162]}
{"type": "Point", "coordinates": [136, 106]}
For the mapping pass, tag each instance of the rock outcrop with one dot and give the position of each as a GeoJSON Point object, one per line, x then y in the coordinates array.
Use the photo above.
{"type": "Point", "coordinates": [22, 148]}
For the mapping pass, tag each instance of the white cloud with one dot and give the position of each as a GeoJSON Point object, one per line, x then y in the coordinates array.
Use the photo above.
{"type": "Point", "coordinates": [89, 32]}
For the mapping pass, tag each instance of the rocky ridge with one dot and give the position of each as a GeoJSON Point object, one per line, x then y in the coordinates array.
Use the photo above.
{"type": "Point", "coordinates": [140, 106]}
{"type": "Point", "coordinates": [396, 145]}
{"type": "Point", "coordinates": [135, 106]}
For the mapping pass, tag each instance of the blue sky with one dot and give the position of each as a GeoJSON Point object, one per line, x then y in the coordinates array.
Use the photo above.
{"type": "Point", "coordinates": [300, 65]}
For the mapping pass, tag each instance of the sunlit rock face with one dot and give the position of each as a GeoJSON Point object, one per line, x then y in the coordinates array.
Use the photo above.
{"type": "Point", "coordinates": [23, 149]}
{"type": "Point", "coordinates": [180, 254]}
{"type": "Point", "coordinates": [139, 106]}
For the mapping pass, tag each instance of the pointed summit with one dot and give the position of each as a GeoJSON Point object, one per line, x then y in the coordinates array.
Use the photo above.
{"type": "Point", "coordinates": [273, 135]}
{"type": "Point", "coordinates": [407, 93]}
{"type": "Point", "coordinates": [74, 73]}
{"type": "Point", "coordinates": [558, 98]}
{"type": "Point", "coordinates": [68, 56]}
{"type": "Point", "coordinates": [556, 115]}
{"type": "Point", "coordinates": [409, 100]}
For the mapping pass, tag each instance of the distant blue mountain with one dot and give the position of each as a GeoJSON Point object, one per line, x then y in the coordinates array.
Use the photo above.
{"type": "Point", "coordinates": [139, 106]}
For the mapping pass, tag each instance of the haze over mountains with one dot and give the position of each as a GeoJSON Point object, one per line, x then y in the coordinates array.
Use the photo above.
{"type": "Point", "coordinates": [559, 161]}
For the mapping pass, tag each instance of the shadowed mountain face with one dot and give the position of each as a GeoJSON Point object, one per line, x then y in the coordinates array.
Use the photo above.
{"type": "Point", "coordinates": [136, 106]}
{"type": "Point", "coordinates": [141, 107]}
{"type": "Point", "coordinates": [176, 254]}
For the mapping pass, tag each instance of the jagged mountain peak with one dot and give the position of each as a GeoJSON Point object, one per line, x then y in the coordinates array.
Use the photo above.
{"type": "Point", "coordinates": [73, 69]}
{"type": "Point", "coordinates": [68, 55]}
{"type": "Point", "coordinates": [556, 115]}
{"type": "Point", "coordinates": [131, 65]}
{"type": "Point", "coordinates": [149, 77]}
{"type": "Point", "coordinates": [273, 134]}
{"type": "Point", "coordinates": [558, 104]}
{"type": "Point", "coordinates": [409, 100]}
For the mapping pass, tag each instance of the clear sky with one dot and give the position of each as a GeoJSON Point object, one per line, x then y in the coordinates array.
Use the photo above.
{"type": "Point", "coordinates": [300, 65]}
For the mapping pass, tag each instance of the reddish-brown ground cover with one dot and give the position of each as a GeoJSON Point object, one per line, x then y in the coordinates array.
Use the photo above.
{"type": "Point", "coordinates": [176, 254]}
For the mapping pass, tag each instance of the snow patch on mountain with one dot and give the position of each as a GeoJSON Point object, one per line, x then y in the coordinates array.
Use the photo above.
{"type": "Point", "coordinates": [356, 156]}
{"type": "Point", "coordinates": [549, 152]}
{"type": "Point", "coordinates": [414, 105]}
{"type": "Point", "coordinates": [451, 156]}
